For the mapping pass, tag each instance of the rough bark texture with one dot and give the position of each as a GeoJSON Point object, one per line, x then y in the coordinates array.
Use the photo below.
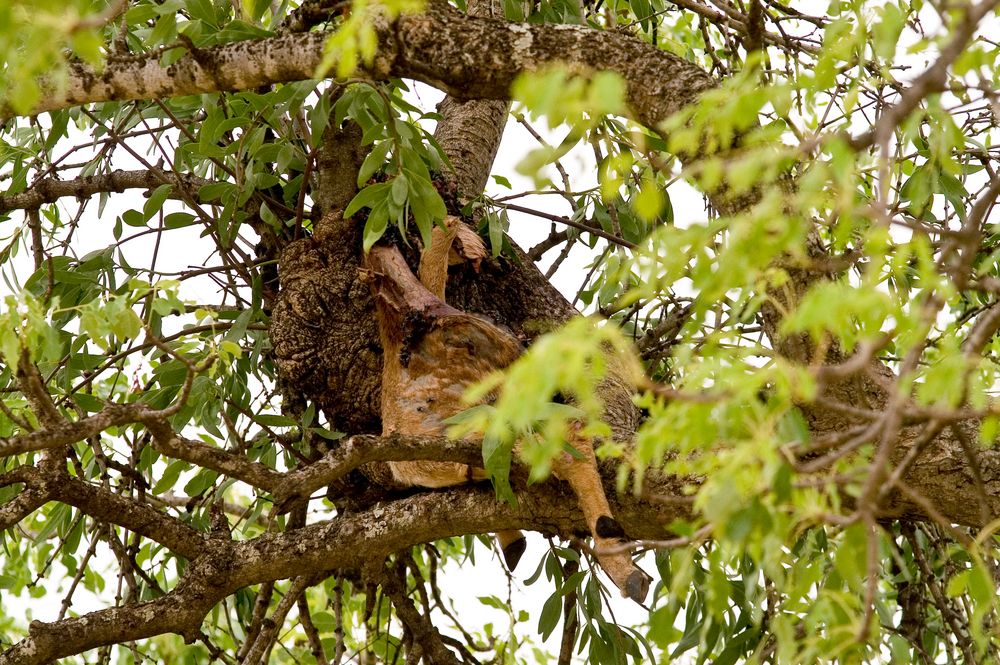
{"type": "Point", "coordinates": [327, 348]}
{"type": "Point", "coordinates": [324, 335]}
{"type": "Point", "coordinates": [349, 542]}
{"type": "Point", "coordinates": [433, 47]}
{"type": "Point", "coordinates": [470, 134]}
{"type": "Point", "coordinates": [49, 190]}
{"type": "Point", "coordinates": [509, 49]}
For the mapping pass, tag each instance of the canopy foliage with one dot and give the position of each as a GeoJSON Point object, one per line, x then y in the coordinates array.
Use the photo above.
{"type": "Point", "coordinates": [189, 415]}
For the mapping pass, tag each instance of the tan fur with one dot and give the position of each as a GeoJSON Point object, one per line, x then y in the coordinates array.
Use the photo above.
{"type": "Point", "coordinates": [583, 476]}
{"type": "Point", "coordinates": [455, 243]}
{"type": "Point", "coordinates": [434, 352]}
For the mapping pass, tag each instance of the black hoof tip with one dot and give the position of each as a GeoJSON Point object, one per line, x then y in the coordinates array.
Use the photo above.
{"type": "Point", "coordinates": [637, 586]}
{"type": "Point", "coordinates": [512, 553]}
{"type": "Point", "coordinates": [608, 527]}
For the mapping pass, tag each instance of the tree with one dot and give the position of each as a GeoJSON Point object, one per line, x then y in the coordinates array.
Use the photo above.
{"type": "Point", "coordinates": [790, 392]}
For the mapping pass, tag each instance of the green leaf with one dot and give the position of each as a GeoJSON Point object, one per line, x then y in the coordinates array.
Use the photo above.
{"type": "Point", "coordinates": [177, 220]}
{"type": "Point", "coordinates": [549, 617]}
{"type": "Point", "coordinates": [375, 226]}
{"type": "Point", "coordinates": [497, 455]}
{"type": "Point", "coordinates": [201, 482]}
{"type": "Point", "coordinates": [886, 32]}
{"type": "Point", "coordinates": [202, 10]}
{"type": "Point", "coordinates": [255, 8]}
{"type": "Point", "coordinates": [156, 200]}
{"type": "Point", "coordinates": [649, 201]}
{"type": "Point", "coordinates": [498, 223]}
{"type": "Point", "coordinates": [274, 420]}
{"type": "Point", "coordinates": [399, 189]}
{"type": "Point", "coordinates": [133, 218]}
{"type": "Point", "coordinates": [170, 475]}
{"type": "Point", "coordinates": [494, 602]}
{"type": "Point", "coordinates": [373, 162]}
{"type": "Point", "coordinates": [126, 325]}
{"type": "Point", "coordinates": [165, 30]}
{"type": "Point", "coordinates": [367, 198]}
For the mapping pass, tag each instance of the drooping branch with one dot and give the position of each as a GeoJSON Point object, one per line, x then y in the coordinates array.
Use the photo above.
{"type": "Point", "coordinates": [64, 432]}
{"type": "Point", "coordinates": [266, 638]}
{"type": "Point", "coordinates": [425, 636]}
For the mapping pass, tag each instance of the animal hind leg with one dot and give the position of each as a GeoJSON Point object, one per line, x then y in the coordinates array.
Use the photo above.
{"type": "Point", "coordinates": [512, 544]}
{"type": "Point", "coordinates": [454, 243]}
{"type": "Point", "coordinates": [582, 475]}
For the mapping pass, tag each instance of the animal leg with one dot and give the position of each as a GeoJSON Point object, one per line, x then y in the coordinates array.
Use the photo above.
{"type": "Point", "coordinates": [454, 243]}
{"type": "Point", "coordinates": [512, 544]}
{"type": "Point", "coordinates": [582, 475]}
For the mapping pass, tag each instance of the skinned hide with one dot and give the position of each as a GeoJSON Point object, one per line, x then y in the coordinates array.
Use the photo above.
{"type": "Point", "coordinates": [433, 353]}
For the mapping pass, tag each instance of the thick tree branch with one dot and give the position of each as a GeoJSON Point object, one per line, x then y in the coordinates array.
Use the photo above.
{"type": "Point", "coordinates": [469, 132]}
{"type": "Point", "coordinates": [23, 504]}
{"type": "Point", "coordinates": [49, 190]}
{"type": "Point", "coordinates": [363, 449]}
{"type": "Point", "coordinates": [107, 506]}
{"type": "Point", "coordinates": [236, 66]}
{"type": "Point", "coordinates": [101, 504]}
{"type": "Point", "coordinates": [66, 432]}
{"type": "Point", "coordinates": [169, 443]}
{"type": "Point", "coordinates": [432, 47]}
{"type": "Point", "coordinates": [349, 541]}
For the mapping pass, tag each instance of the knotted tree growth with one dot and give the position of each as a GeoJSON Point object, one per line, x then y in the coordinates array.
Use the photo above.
{"type": "Point", "coordinates": [790, 388]}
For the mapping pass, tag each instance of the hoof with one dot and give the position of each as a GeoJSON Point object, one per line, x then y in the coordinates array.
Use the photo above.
{"type": "Point", "coordinates": [608, 527]}
{"type": "Point", "coordinates": [512, 553]}
{"type": "Point", "coordinates": [637, 586]}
